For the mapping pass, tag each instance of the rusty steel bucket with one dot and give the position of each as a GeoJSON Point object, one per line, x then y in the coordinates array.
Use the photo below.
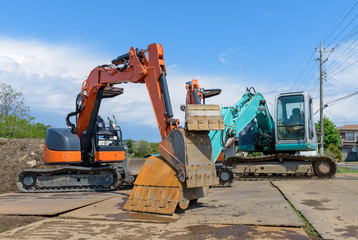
{"type": "Point", "coordinates": [185, 168]}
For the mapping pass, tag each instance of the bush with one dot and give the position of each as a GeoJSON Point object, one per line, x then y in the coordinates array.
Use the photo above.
{"type": "Point", "coordinates": [254, 154]}
{"type": "Point", "coordinates": [141, 148]}
{"type": "Point", "coordinates": [14, 127]}
{"type": "Point", "coordinates": [334, 152]}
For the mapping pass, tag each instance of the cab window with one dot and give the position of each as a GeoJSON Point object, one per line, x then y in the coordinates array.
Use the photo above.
{"type": "Point", "coordinates": [290, 117]}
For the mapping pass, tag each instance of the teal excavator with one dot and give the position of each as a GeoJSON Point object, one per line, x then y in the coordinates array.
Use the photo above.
{"type": "Point", "coordinates": [288, 142]}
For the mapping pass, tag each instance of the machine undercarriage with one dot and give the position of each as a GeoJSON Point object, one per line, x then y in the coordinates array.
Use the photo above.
{"type": "Point", "coordinates": [275, 167]}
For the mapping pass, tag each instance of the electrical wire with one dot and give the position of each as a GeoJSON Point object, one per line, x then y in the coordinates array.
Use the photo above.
{"type": "Point", "coordinates": [308, 74]}
{"type": "Point", "coordinates": [344, 68]}
{"type": "Point", "coordinates": [308, 62]}
{"type": "Point", "coordinates": [340, 22]}
{"type": "Point", "coordinates": [338, 87]}
{"type": "Point", "coordinates": [345, 53]}
{"type": "Point", "coordinates": [331, 103]}
{"type": "Point", "coordinates": [340, 62]}
{"type": "Point", "coordinates": [343, 29]}
{"type": "Point", "coordinates": [343, 84]}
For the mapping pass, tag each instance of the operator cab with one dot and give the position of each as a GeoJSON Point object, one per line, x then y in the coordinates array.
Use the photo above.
{"type": "Point", "coordinates": [108, 138]}
{"type": "Point", "coordinates": [294, 128]}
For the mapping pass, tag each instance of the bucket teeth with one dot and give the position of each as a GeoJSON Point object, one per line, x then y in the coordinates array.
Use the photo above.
{"type": "Point", "coordinates": [162, 200]}
{"type": "Point", "coordinates": [156, 189]}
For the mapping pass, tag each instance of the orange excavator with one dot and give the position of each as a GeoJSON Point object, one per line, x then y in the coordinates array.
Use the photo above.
{"type": "Point", "coordinates": [183, 171]}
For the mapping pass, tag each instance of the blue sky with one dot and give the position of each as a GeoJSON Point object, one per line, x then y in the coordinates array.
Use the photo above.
{"type": "Point", "coordinates": [47, 48]}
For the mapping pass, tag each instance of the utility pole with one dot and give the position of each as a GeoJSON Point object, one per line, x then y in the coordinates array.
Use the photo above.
{"type": "Point", "coordinates": [321, 77]}
{"type": "Point", "coordinates": [321, 96]}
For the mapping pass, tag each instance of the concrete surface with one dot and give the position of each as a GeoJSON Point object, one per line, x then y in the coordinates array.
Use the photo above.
{"type": "Point", "coordinates": [244, 203]}
{"type": "Point", "coordinates": [48, 203]}
{"type": "Point", "coordinates": [350, 165]}
{"type": "Point", "coordinates": [247, 210]}
{"type": "Point", "coordinates": [254, 203]}
{"type": "Point", "coordinates": [59, 229]}
{"type": "Point", "coordinates": [331, 206]}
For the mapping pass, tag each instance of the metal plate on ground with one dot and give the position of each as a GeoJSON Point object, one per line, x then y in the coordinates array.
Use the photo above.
{"type": "Point", "coordinates": [256, 203]}
{"type": "Point", "coordinates": [331, 206]}
{"type": "Point", "coordinates": [48, 203]}
{"type": "Point", "coordinates": [58, 229]}
{"type": "Point", "coordinates": [55, 228]}
{"type": "Point", "coordinates": [112, 209]}
{"type": "Point", "coordinates": [216, 231]}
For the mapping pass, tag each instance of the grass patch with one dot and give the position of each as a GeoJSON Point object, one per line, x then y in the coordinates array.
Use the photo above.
{"type": "Point", "coordinates": [310, 230]}
{"type": "Point", "coordinates": [346, 170]}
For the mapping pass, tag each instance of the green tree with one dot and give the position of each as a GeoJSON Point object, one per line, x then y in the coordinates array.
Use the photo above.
{"type": "Point", "coordinates": [12, 103]}
{"type": "Point", "coordinates": [154, 148]}
{"type": "Point", "coordinates": [142, 148]}
{"type": "Point", "coordinates": [331, 139]}
{"type": "Point", "coordinates": [15, 120]}
{"type": "Point", "coordinates": [331, 133]}
{"type": "Point", "coordinates": [130, 145]}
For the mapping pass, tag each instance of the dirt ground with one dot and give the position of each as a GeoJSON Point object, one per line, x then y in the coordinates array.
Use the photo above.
{"type": "Point", "coordinates": [15, 156]}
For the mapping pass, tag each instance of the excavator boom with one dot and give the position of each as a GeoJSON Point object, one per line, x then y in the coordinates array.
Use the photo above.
{"type": "Point", "coordinates": [184, 171]}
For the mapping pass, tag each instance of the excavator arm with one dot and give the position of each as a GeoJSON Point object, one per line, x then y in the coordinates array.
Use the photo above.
{"type": "Point", "coordinates": [251, 108]}
{"type": "Point", "coordinates": [184, 170]}
{"type": "Point", "coordinates": [132, 67]}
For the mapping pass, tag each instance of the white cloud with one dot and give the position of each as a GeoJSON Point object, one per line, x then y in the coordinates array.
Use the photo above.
{"type": "Point", "coordinates": [50, 76]}
{"type": "Point", "coordinates": [231, 56]}
{"type": "Point", "coordinates": [341, 85]}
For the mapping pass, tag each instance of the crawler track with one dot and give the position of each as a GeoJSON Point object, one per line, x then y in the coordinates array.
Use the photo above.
{"type": "Point", "coordinates": [70, 179]}
{"type": "Point", "coordinates": [249, 168]}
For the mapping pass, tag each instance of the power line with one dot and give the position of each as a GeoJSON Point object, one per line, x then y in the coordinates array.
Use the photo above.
{"type": "Point", "coordinates": [343, 84]}
{"type": "Point", "coordinates": [349, 35]}
{"type": "Point", "coordinates": [314, 86]}
{"type": "Point", "coordinates": [345, 68]}
{"type": "Point", "coordinates": [349, 49]}
{"type": "Point", "coordinates": [308, 74]}
{"type": "Point", "coordinates": [311, 82]}
{"type": "Point", "coordinates": [340, 22]}
{"type": "Point", "coordinates": [338, 87]}
{"type": "Point", "coordinates": [342, 98]}
{"type": "Point", "coordinates": [341, 62]}
{"type": "Point", "coordinates": [343, 28]}
{"type": "Point", "coordinates": [331, 103]}
{"type": "Point", "coordinates": [309, 60]}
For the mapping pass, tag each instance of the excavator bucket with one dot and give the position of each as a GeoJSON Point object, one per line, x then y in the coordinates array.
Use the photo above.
{"type": "Point", "coordinates": [183, 171]}
{"type": "Point", "coordinates": [157, 188]}
{"type": "Point", "coordinates": [133, 166]}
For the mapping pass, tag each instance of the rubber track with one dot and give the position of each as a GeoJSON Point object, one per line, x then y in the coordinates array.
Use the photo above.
{"type": "Point", "coordinates": [84, 170]}
{"type": "Point", "coordinates": [230, 162]}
